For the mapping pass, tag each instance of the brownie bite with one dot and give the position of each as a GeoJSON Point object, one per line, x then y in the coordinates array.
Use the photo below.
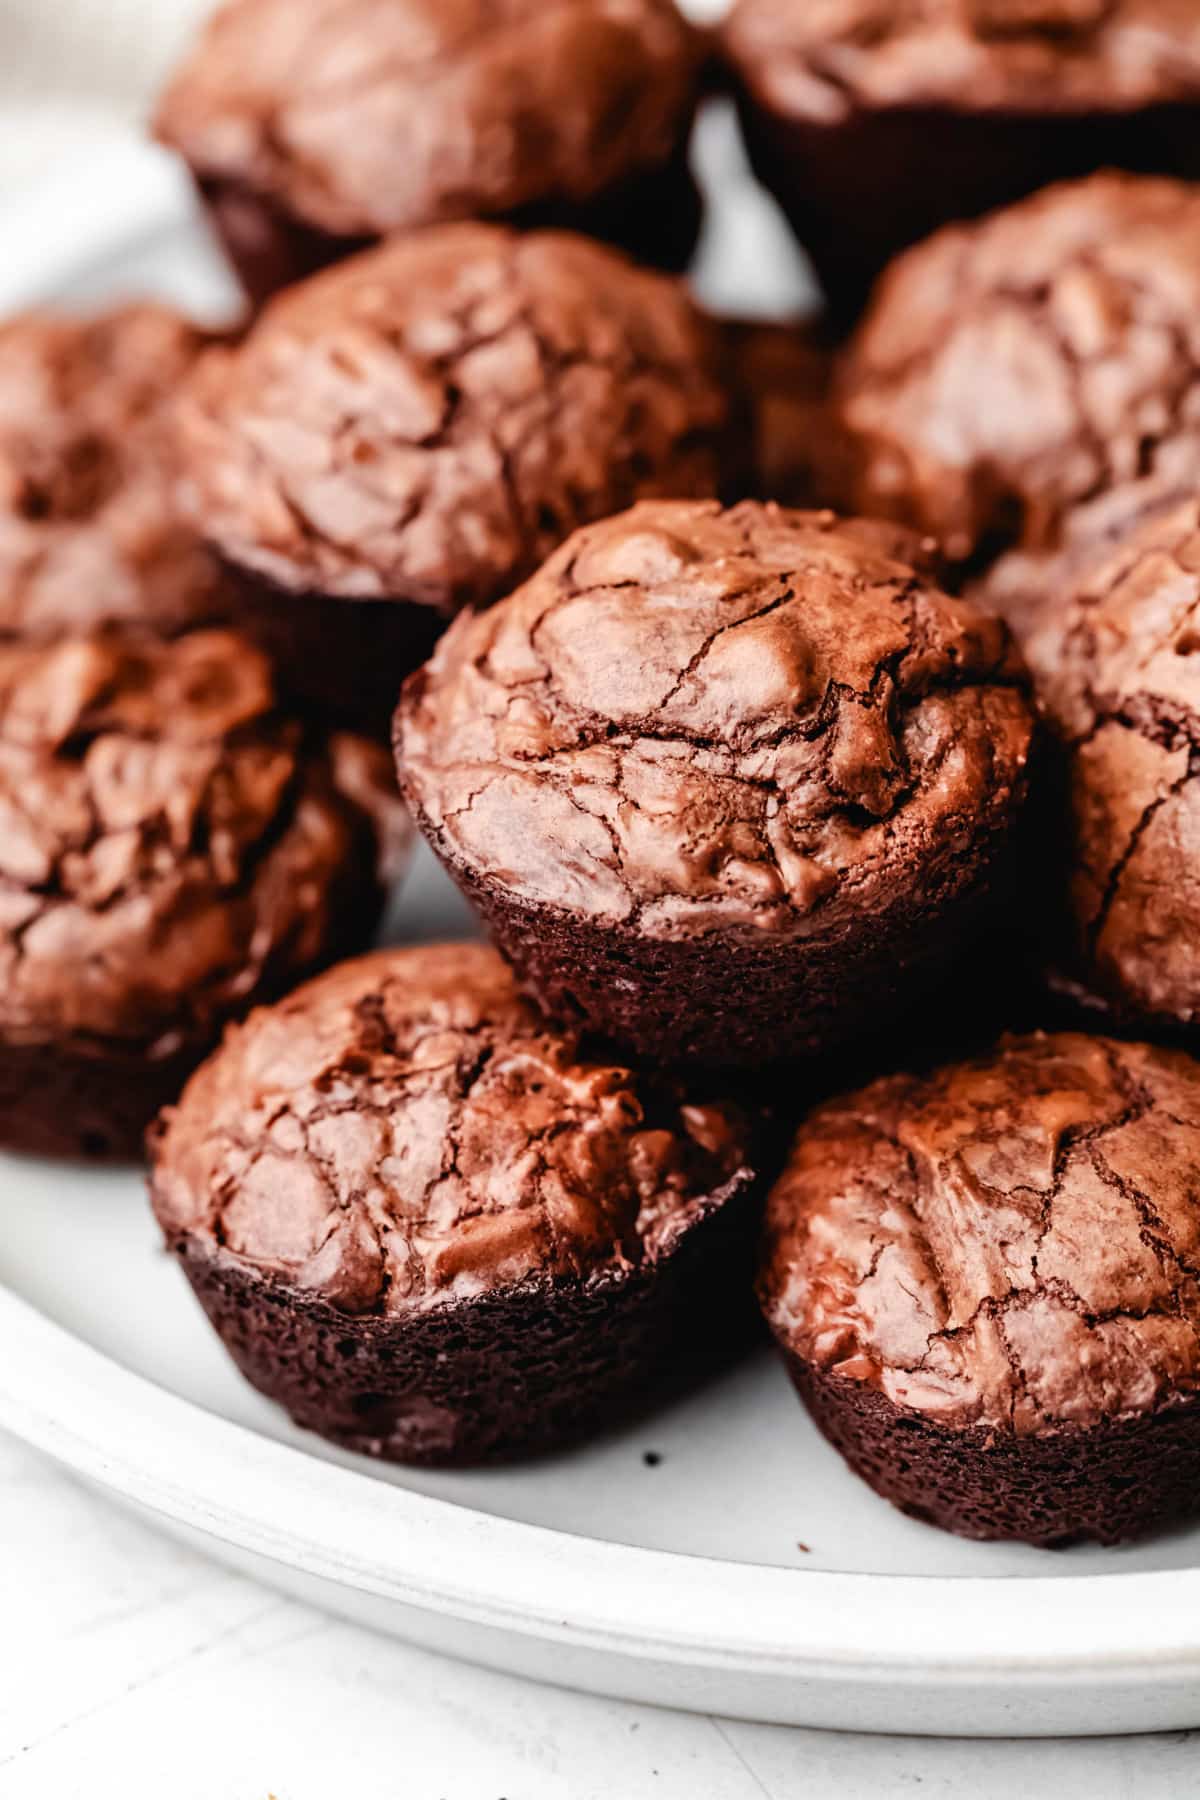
{"type": "Point", "coordinates": [90, 527]}
{"type": "Point", "coordinates": [1013, 373]}
{"type": "Point", "coordinates": [315, 129]}
{"type": "Point", "coordinates": [876, 121]}
{"type": "Point", "coordinates": [729, 785]}
{"type": "Point", "coordinates": [172, 848]}
{"type": "Point", "coordinates": [1119, 674]}
{"type": "Point", "coordinates": [436, 1229]}
{"type": "Point", "coordinates": [984, 1286]}
{"type": "Point", "coordinates": [413, 431]}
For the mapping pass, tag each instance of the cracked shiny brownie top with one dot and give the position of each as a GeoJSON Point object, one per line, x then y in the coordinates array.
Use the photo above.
{"type": "Point", "coordinates": [376, 115]}
{"type": "Point", "coordinates": [1033, 588]}
{"type": "Point", "coordinates": [405, 1130]}
{"type": "Point", "coordinates": [825, 57]}
{"type": "Point", "coordinates": [694, 719]}
{"type": "Point", "coordinates": [90, 530]}
{"type": "Point", "coordinates": [169, 843]}
{"type": "Point", "coordinates": [1011, 370]}
{"type": "Point", "coordinates": [1119, 660]}
{"type": "Point", "coordinates": [1012, 1242]}
{"type": "Point", "coordinates": [428, 420]}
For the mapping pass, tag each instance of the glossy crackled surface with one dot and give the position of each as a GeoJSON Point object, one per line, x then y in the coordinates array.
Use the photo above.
{"type": "Point", "coordinates": [693, 718]}
{"type": "Point", "coordinates": [1012, 370]}
{"type": "Point", "coordinates": [405, 1130]}
{"type": "Point", "coordinates": [380, 115]}
{"type": "Point", "coordinates": [169, 840]}
{"type": "Point", "coordinates": [1010, 1242]}
{"type": "Point", "coordinates": [430, 419]}
{"type": "Point", "coordinates": [1117, 654]}
{"type": "Point", "coordinates": [89, 527]}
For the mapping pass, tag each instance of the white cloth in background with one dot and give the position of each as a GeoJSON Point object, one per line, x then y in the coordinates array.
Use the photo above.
{"type": "Point", "coordinates": [78, 74]}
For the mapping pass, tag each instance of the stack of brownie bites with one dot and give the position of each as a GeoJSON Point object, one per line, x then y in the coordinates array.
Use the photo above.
{"type": "Point", "coordinates": [810, 713]}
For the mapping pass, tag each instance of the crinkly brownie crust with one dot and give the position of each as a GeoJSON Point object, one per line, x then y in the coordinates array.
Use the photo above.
{"type": "Point", "coordinates": [438, 1230]}
{"type": "Point", "coordinates": [1116, 657]}
{"type": "Point", "coordinates": [985, 1283]}
{"type": "Point", "coordinates": [429, 420]}
{"type": "Point", "coordinates": [91, 531]}
{"type": "Point", "coordinates": [314, 130]}
{"type": "Point", "coordinates": [1013, 371]}
{"type": "Point", "coordinates": [742, 753]}
{"type": "Point", "coordinates": [172, 848]}
{"type": "Point", "coordinates": [384, 115]}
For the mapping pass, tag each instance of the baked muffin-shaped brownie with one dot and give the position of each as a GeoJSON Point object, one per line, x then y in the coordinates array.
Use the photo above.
{"type": "Point", "coordinates": [172, 849]}
{"type": "Point", "coordinates": [90, 527]}
{"type": "Point", "coordinates": [413, 431]}
{"type": "Point", "coordinates": [313, 129]}
{"type": "Point", "coordinates": [984, 1285]}
{"type": "Point", "coordinates": [876, 121]}
{"type": "Point", "coordinates": [436, 1229]}
{"type": "Point", "coordinates": [1012, 371]}
{"type": "Point", "coordinates": [727, 785]}
{"type": "Point", "coordinates": [1119, 674]}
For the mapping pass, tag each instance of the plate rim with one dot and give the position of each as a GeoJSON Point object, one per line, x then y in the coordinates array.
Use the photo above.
{"type": "Point", "coordinates": [229, 1483]}
{"type": "Point", "coordinates": [233, 1486]}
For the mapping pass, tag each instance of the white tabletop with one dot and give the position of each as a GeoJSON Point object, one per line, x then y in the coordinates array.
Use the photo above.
{"type": "Point", "coordinates": [135, 1669]}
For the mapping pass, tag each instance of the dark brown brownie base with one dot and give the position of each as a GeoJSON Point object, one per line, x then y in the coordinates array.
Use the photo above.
{"type": "Point", "coordinates": [655, 216]}
{"type": "Point", "coordinates": [515, 1372]}
{"type": "Point", "coordinates": [267, 247]}
{"type": "Point", "coordinates": [711, 1004]}
{"type": "Point", "coordinates": [342, 661]}
{"type": "Point", "coordinates": [858, 192]}
{"type": "Point", "coordinates": [1108, 1483]}
{"type": "Point", "coordinates": [85, 1108]}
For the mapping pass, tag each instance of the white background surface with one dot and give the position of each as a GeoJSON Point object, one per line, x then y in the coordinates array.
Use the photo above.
{"type": "Point", "coordinates": [130, 1667]}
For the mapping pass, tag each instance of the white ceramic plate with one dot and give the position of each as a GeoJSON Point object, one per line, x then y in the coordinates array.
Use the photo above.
{"type": "Point", "coordinates": [745, 1571]}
